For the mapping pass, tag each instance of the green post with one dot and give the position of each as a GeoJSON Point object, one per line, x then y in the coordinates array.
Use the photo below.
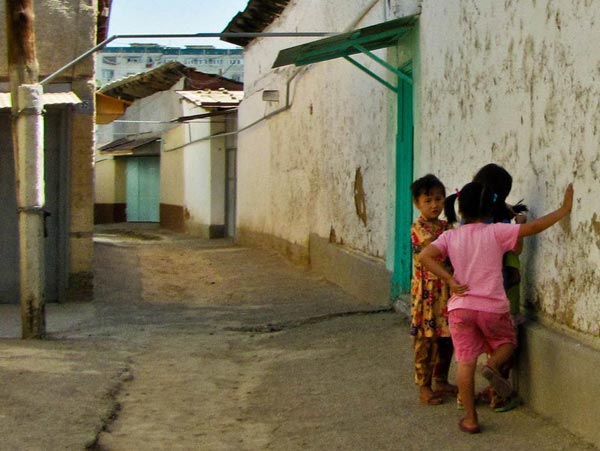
{"type": "Point", "coordinates": [404, 173]}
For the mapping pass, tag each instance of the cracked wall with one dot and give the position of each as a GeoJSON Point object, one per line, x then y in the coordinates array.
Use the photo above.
{"type": "Point", "coordinates": [517, 83]}
{"type": "Point", "coordinates": [297, 169]}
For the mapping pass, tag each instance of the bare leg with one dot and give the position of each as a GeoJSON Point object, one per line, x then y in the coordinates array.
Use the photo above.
{"type": "Point", "coordinates": [443, 359]}
{"type": "Point", "coordinates": [501, 355]}
{"type": "Point", "coordinates": [465, 376]}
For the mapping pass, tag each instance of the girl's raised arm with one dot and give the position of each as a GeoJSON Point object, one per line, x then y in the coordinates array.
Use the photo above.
{"type": "Point", "coordinates": [540, 224]}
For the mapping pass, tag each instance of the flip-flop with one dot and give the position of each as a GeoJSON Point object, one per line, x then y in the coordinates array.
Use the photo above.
{"type": "Point", "coordinates": [468, 429]}
{"type": "Point", "coordinates": [499, 383]}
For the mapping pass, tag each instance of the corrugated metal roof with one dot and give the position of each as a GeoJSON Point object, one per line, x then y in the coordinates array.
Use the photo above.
{"type": "Point", "coordinates": [128, 144]}
{"type": "Point", "coordinates": [145, 84]}
{"type": "Point", "coordinates": [213, 98]}
{"type": "Point", "coordinates": [257, 16]}
{"type": "Point", "coordinates": [49, 98]}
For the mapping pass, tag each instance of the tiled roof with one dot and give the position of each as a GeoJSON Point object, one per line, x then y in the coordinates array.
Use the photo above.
{"type": "Point", "coordinates": [144, 84]}
{"type": "Point", "coordinates": [257, 16]}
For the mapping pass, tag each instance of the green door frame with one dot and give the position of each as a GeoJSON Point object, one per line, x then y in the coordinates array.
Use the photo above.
{"type": "Point", "coordinates": [404, 174]}
{"type": "Point", "coordinates": [363, 41]}
{"type": "Point", "coordinates": [402, 266]}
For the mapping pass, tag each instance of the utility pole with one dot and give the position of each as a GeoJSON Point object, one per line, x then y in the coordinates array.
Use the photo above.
{"type": "Point", "coordinates": [28, 141]}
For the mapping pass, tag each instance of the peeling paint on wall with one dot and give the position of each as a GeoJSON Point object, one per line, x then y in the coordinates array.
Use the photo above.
{"type": "Point", "coordinates": [517, 83]}
{"type": "Point", "coordinates": [297, 169]}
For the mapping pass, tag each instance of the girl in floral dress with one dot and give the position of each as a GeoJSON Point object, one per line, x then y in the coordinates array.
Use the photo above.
{"type": "Point", "coordinates": [429, 297]}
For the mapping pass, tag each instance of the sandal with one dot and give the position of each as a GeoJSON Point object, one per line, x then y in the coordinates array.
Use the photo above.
{"type": "Point", "coordinates": [498, 383]}
{"type": "Point", "coordinates": [509, 404]}
{"type": "Point", "coordinates": [432, 400]}
{"type": "Point", "coordinates": [447, 389]}
{"type": "Point", "coordinates": [468, 429]}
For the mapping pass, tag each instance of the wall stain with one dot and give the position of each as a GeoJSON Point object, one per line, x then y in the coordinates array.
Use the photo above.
{"type": "Point", "coordinates": [595, 224]}
{"type": "Point", "coordinates": [359, 197]}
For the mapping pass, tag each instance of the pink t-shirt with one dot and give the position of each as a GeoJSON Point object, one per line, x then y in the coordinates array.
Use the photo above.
{"type": "Point", "coordinates": [476, 251]}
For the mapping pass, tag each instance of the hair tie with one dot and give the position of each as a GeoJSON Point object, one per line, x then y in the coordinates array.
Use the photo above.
{"type": "Point", "coordinates": [457, 193]}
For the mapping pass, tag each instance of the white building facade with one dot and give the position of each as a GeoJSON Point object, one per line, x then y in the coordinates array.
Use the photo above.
{"type": "Point", "coordinates": [320, 173]}
{"type": "Point", "coordinates": [114, 63]}
{"type": "Point", "coordinates": [172, 161]}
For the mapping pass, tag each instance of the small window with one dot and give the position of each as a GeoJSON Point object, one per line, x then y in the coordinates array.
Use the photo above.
{"type": "Point", "coordinates": [134, 59]}
{"type": "Point", "coordinates": [108, 74]}
{"type": "Point", "coordinates": [109, 60]}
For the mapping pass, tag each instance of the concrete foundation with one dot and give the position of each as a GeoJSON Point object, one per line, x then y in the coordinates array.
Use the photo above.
{"type": "Point", "coordinates": [294, 252]}
{"type": "Point", "coordinates": [360, 275]}
{"type": "Point", "coordinates": [557, 377]}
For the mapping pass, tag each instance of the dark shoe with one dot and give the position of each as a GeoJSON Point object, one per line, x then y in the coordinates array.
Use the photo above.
{"type": "Point", "coordinates": [500, 384]}
{"type": "Point", "coordinates": [468, 429]}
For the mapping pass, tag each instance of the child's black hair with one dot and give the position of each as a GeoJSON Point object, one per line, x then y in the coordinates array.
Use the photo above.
{"type": "Point", "coordinates": [425, 185]}
{"type": "Point", "coordinates": [499, 181]}
{"type": "Point", "coordinates": [475, 203]}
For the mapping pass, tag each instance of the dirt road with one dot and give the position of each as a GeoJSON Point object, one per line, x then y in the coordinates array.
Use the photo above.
{"type": "Point", "coordinates": [197, 345]}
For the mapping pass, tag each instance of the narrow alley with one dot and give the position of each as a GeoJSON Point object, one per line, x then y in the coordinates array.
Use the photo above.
{"type": "Point", "coordinates": [204, 345]}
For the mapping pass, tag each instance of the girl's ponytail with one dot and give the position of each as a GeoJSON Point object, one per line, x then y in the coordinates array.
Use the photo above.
{"type": "Point", "coordinates": [449, 210]}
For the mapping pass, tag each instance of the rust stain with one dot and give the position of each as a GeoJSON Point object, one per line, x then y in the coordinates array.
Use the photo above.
{"type": "Point", "coordinates": [359, 197]}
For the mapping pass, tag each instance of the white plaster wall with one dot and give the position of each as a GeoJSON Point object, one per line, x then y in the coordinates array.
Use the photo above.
{"type": "Point", "coordinates": [152, 113]}
{"type": "Point", "coordinates": [217, 172]}
{"type": "Point", "coordinates": [110, 180]}
{"type": "Point", "coordinates": [516, 83]}
{"type": "Point", "coordinates": [104, 181]}
{"type": "Point", "coordinates": [197, 169]}
{"type": "Point", "coordinates": [172, 186]}
{"type": "Point", "coordinates": [296, 169]}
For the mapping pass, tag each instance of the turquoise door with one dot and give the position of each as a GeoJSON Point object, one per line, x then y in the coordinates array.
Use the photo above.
{"type": "Point", "coordinates": [404, 173]}
{"type": "Point", "coordinates": [143, 189]}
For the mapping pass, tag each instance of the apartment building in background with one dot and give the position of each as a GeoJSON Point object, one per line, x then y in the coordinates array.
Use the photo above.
{"type": "Point", "coordinates": [114, 63]}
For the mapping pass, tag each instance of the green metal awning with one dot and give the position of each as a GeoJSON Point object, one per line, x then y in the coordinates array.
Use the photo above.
{"type": "Point", "coordinates": [375, 37]}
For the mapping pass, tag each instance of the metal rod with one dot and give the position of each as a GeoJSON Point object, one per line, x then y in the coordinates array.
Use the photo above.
{"type": "Point", "coordinates": [76, 60]}
{"type": "Point", "coordinates": [196, 35]}
{"type": "Point", "coordinates": [232, 35]}
{"type": "Point", "coordinates": [384, 63]}
{"type": "Point", "coordinates": [371, 73]}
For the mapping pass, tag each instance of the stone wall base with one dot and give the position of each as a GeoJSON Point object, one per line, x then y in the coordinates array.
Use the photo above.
{"type": "Point", "coordinates": [362, 276]}
{"type": "Point", "coordinates": [294, 252]}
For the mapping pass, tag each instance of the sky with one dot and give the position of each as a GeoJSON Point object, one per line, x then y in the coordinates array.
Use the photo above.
{"type": "Point", "coordinates": [172, 16]}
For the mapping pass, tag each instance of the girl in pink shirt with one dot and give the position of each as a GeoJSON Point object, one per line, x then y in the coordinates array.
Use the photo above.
{"type": "Point", "coordinates": [479, 311]}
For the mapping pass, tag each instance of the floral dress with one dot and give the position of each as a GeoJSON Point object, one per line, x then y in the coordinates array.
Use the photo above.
{"type": "Point", "coordinates": [429, 293]}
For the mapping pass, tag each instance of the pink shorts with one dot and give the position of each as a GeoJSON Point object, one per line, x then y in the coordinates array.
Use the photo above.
{"type": "Point", "coordinates": [475, 332]}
